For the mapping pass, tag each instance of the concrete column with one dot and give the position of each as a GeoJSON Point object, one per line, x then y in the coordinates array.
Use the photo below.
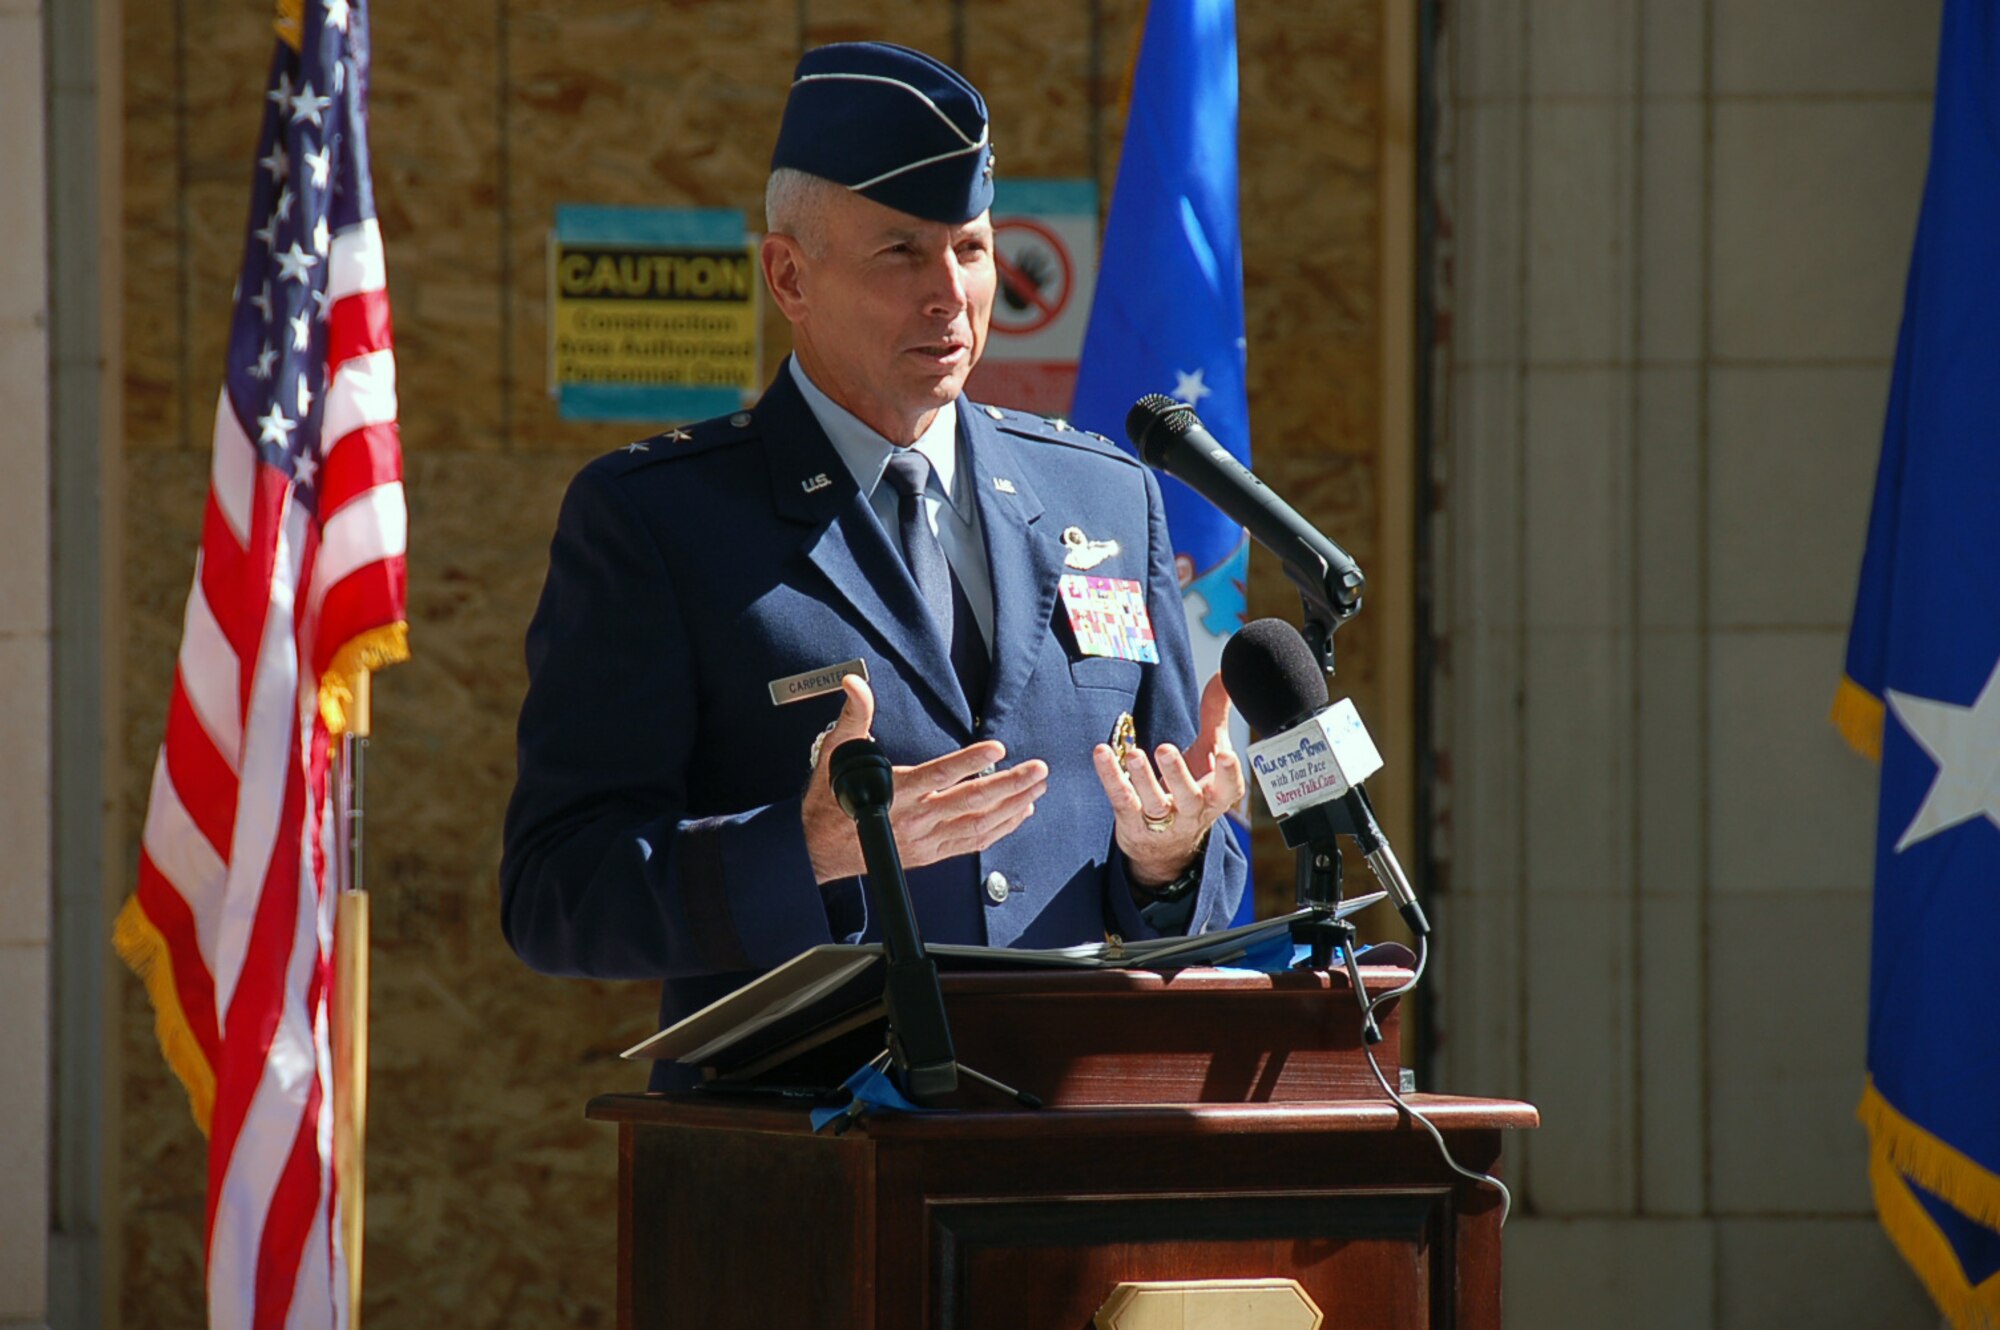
{"type": "Point", "coordinates": [25, 709]}
{"type": "Point", "coordinates": [1678, 233]}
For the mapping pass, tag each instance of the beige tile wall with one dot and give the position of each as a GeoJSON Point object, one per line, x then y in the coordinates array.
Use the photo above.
{"type": "Point", "coordinates": [1676, 240]}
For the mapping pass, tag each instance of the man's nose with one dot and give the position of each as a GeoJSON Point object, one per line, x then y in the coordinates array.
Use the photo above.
{"type": "Point", "coordinates": [945, 293]}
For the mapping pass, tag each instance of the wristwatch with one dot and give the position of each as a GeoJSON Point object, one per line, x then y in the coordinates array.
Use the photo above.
{"type": "Point", "coordinates": [1185, 885]}
{"type": "Point", "coordinates": [1168, 908]}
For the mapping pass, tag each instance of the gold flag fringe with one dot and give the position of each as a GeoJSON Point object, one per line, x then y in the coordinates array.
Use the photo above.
{"type": "Point", "coordinates": [290, 22]}
{"type": "Point", "coordinates": [141, 947]}
{"type": "Point", "coordinates": [1857, 714]}
{"type": "Point", "coordinates": [1928, 1253]}
{"type": "Point", "coordinates": [371, 650]}
{"type": "Point", "coordinates": [1937, 1167]}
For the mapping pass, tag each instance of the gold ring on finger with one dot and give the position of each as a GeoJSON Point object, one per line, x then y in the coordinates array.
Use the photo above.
{"type": "Point", "coordinates": [1158, 825]}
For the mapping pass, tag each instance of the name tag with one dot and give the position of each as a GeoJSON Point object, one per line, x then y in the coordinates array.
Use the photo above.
{"type": "Point", "coordinates": [1108, 615]}
{"type": "Point", "coordinates": [815, 683]}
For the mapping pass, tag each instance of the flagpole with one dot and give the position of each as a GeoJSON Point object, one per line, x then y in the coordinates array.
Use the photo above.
{"type": "Point", "coordinates": [350, 995]}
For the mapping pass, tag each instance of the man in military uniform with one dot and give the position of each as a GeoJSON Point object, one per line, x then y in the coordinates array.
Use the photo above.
{"type": "Point", "coordinates": [1005, 581]}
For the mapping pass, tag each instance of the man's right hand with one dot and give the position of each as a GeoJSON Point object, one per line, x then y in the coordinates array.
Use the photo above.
{"type": "Point", "coordinates": [943, 807]}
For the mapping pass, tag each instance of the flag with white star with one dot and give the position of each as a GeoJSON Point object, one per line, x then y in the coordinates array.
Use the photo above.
{"type": "Point", "coordinates": [299, 588]}
{"type": "Point", "coordinates": [1167, 316]}
{"type": "Point", "coordinates": [1922, 693]}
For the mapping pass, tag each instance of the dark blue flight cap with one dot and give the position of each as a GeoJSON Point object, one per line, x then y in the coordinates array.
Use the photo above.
{"type": "Point", "coordinates": [893, 125]}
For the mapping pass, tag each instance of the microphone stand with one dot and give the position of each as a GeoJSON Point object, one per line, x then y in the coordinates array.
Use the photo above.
{"type": "Point", "coordinates": [919, 1044]}
{"type": "Point", "coordinates": [1318, 849]}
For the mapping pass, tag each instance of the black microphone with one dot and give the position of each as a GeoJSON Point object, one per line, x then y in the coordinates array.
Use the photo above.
{"type": "Point", "coordinates": [1274, 679]}
{"type": "Point", "coordinates": [1171, 437]}
{"type": "Point", "coordinates": [864, 785]}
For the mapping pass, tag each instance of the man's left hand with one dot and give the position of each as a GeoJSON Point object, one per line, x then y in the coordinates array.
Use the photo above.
{"type": "Point", "coordinates": [1163, 813]}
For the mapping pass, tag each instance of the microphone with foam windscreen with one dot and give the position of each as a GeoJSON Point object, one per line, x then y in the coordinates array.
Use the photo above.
{"type": "Point", "coordinates": [1170, 437]}
{"type": "Point", "coordinates": [1314, 758]}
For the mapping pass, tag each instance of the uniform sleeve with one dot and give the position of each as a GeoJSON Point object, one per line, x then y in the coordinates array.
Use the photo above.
{"type": "Point", "coordinates": [603, 873]}
{"type": "Point", "coordinates": [1168, 711]}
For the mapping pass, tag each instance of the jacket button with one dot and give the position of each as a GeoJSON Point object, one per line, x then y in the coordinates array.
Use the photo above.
{"type": "Point", "coordinates": [997, 888]}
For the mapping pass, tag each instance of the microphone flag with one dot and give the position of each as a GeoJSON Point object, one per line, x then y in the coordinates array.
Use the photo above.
{"type": "Point", "coordinates": [1168, 311]}
{"type": "Point", "coordinates": [1922, 695]}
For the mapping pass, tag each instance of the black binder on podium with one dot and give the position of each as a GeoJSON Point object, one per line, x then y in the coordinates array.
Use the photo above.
{"type": "Point", "coordinates": [817, 1017]}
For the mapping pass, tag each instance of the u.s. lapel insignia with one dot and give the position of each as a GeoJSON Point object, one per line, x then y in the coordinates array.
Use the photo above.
{"type": "Point", "coordinates": [1004, 485]}
{"type": "Point", "coordinates": [1085, 553]}
{"type": "Point", "coordinates": [815, 484]}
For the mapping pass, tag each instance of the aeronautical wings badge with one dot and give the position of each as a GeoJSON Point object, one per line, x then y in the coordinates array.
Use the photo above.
{"type": "Point", "coordinates": [1083, 552]}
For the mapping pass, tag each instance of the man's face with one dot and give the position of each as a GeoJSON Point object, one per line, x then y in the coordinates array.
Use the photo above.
{"type": "Point", "coordinates": [891, 312]}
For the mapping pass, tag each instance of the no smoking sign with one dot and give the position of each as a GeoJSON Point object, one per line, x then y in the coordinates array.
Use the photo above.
{"type": "Point", "coordinates": [1036, 276]}
{"type": "Point", "coordinates": [1045, 256]}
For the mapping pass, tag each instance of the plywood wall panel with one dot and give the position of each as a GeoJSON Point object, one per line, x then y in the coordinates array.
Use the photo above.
{"type": "Point", "coordinates": [927, 25]}
{"type": "Point", "coordinates": [490, 1197]}
{"type": "Point", "coordinates": [226, 53]}
{"type": "Point", "coordinates": [151, 234]}
{"type": "Point", "coordinates": [1033, 65]}
{"type": "Point", "coordinates": [436, 145]}
{"type": "Point", "coordinates": [215, 211]}
{"type": "Point", "coordinates": [225, 49]}
{"type": "Point", "coordinates": [631, 104]}
{"type": "Point", "coordinates": [1309, 222]}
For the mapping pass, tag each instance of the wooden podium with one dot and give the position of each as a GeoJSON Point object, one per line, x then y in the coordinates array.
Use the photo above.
{"type": "Point", "coordinates": [1200, 1126]}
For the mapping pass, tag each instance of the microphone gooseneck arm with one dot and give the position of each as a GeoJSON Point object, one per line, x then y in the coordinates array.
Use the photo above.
{"type": "Point", "coordinates": [1382, 861]}
{"type": "Point", "coordinates": [1171, 437]}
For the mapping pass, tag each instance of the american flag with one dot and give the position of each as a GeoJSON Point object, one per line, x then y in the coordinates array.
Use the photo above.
{"type": "Point", "coordinates": [298, 589]}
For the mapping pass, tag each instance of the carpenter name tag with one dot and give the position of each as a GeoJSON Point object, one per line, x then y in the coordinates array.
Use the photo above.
{"type": "Point", "coordinates": [815, 683]}
{"type": "Point", "coordinates": [1109, 617]}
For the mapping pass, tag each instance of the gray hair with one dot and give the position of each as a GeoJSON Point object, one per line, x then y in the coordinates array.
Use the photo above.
{"type": "Point", "coordinates": [796, 203]}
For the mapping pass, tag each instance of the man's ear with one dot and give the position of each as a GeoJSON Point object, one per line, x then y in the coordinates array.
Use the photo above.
{"type": "Point", "coordinates": [784, 259]}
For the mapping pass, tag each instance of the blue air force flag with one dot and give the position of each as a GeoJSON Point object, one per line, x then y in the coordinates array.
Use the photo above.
{"type": "Point", "coordinates": [1922, 693]}
{"type": "Point", "coordinates": [1168, 314]}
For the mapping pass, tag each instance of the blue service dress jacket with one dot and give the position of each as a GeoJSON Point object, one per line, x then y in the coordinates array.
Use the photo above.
{"type": "Point", "coordinates": [654, 830]}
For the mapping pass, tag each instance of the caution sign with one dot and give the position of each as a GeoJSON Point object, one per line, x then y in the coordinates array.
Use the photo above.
{"type": "Point", "coordinates": [1045, 248]}
{"type": "Point", "coordinates": [653, 313]}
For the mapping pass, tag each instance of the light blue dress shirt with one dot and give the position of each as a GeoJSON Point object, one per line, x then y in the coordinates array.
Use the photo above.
{"type": "Point", "coordinates": [948, 501]}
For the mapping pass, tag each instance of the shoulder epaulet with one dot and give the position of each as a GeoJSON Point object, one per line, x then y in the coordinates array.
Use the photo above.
{"type": "Point", "coordinates": [1053, 429]}
{"type": "Point", "coordinates": [682, 441]}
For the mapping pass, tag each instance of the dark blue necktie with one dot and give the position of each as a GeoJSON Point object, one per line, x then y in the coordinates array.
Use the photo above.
{"type": "Point", "coordinates": [910, 471]}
